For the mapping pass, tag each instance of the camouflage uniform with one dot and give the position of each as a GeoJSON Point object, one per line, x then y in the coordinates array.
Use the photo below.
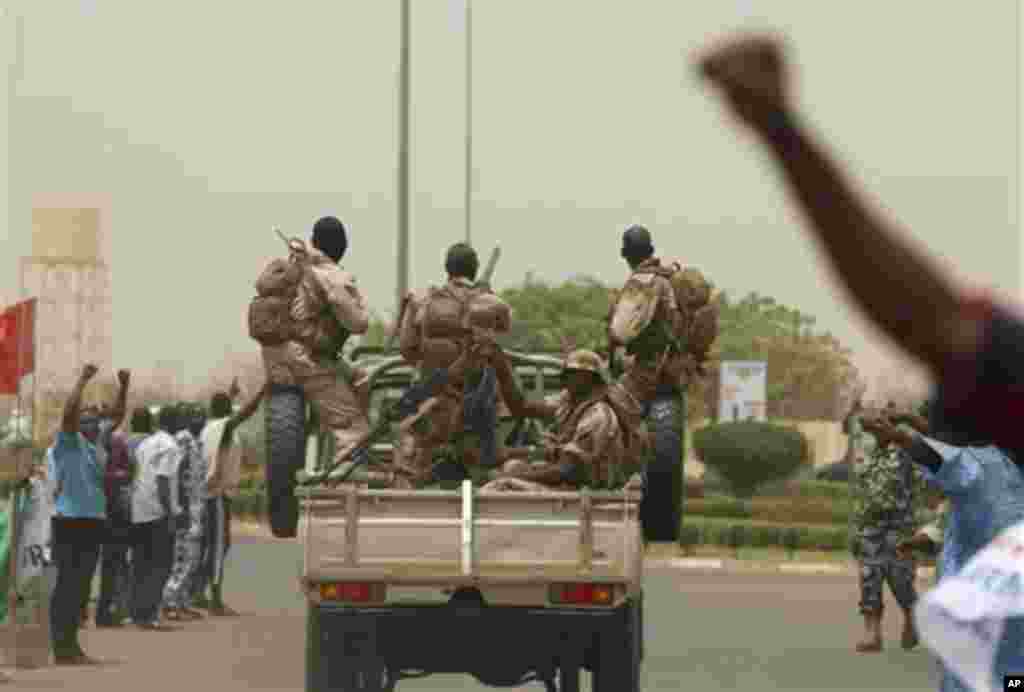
{"type": "Point", "coordinates": [658, 371]}
{"type": "Point", "coordinates": [657, 363]}
{"type": "Point", "coordinates": [888, 488]}
{"type": "Point", "coordinates": [327, 308]}
{"type": "Point", "coordinates": [439, 427]}
{"type": "Point", "coordinates": [598, 441]}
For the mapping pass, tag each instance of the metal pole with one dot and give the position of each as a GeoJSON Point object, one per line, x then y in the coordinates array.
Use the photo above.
{"type": "Point", "coordinates": [403, 158]}
{"type": "Point", "coordinates": [468, 202]}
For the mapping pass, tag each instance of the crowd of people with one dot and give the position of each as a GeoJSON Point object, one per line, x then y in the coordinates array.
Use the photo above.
{"type": "Point", "coordinates": [150, 506]}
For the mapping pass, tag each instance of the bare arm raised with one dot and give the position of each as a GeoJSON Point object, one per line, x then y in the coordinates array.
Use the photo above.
{"type": "Point", "coordinates": [864, 250]}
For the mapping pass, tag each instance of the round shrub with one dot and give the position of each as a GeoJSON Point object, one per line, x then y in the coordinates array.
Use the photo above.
{"type": "Point", "coordinates": [748, 454]}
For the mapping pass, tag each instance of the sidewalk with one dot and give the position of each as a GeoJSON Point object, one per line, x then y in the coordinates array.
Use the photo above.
{"type": "Point", "coordinates": [670, 556]}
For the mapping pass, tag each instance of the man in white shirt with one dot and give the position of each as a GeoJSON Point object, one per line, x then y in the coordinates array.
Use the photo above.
{"type": "Point", "coordinates": [223, 478]}
{"type": "Point", "coordinates": [155, 516]}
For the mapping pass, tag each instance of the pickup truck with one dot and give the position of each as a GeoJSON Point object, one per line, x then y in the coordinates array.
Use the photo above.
{"type": "Point", "coordinates": [509, 587]}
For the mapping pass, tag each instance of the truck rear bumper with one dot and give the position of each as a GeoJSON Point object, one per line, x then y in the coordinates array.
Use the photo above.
{"type": "Point", "coordinates": [497, 645]}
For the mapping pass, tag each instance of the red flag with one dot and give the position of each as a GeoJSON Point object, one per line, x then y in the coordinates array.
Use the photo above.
{"type": "Point", "coordinates": [17, 344]}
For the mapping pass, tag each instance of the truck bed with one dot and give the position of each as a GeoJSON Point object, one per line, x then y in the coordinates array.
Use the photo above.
{"type": "Point", "coordinates": [469, 537]}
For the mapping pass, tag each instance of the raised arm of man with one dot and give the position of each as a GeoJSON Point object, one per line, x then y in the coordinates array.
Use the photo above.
{"type": "Point", "coordinates": [518, 405]}
{"type": "Point", "coordinates": [73, 406]}
{"type": "Point", "coordinates": [968, 342]}
{"type": "Point", "coordinates": [241, 416]}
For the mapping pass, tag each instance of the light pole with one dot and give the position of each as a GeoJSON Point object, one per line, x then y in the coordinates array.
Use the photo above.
{"type": "Point", "coordinates": [403, 159]}
{"type": "Point", "coordinates": [468, 202]}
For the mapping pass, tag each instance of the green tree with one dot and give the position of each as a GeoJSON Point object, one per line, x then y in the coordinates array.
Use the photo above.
{"type": "Point", "coordinates": [378, 333]}
{"type": "Point", "coordinates": [544, 314]}
{"type": "Point", "coordinates": [810, 374]}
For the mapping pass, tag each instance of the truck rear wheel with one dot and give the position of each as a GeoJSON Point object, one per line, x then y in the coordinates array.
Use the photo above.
{"type": "Point", "coordinates": [286, 453]}
{"type": "Point", "coordinates": [661, 510]}
{"type": "Point", "coordinates": [345, 665]}
{"type": "Point", "coordinates": [617, 665]}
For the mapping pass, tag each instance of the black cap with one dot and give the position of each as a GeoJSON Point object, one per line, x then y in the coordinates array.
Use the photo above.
{"type": "Point", "coordinates": [636, 243]}
{"type": "Point", "coordinates": [329, 237]}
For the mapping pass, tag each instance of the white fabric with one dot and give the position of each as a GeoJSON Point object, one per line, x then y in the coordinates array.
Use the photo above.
{"type": "Point", "coordinates": [158, 456]}
{"type": "Point", "coordinates": [225, 471]}
{"type": "Point", "coordinates": [34, 538]}
{"type": "Point", "coordinates": [964, 618]}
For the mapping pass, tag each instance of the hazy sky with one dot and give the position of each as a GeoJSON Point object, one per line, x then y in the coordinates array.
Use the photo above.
{"type": "Point", "coordinates": [204, 124]}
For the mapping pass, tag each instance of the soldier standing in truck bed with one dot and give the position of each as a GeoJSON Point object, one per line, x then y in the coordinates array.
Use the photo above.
{"type": "Point", "coordinates": [433, 334]}
{"type": "Point", "coordinates": [666, 321]}
{"type": "Point", "coordinates": [888, 490]}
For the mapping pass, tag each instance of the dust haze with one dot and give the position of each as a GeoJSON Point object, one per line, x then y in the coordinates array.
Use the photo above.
{"type": "Point", "coordinates": [199, 126]}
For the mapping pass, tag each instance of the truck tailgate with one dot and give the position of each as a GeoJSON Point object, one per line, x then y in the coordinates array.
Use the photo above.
{"type": "Point", "coordinates": [470, 537]}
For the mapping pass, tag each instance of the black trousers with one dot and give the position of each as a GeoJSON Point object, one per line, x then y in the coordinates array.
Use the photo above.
{"type": "Point", "coordinates": [661, 509]}
{"type": "Point", "coordinates": [76, 551]}
{"type": "Point", "coordinates": [115, 577]}
{"type": "Point", "coordinates": [152, 558]}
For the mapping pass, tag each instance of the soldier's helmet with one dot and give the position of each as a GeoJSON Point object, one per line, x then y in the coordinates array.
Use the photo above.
{"type": "Point", "coordinates": [586, 361]}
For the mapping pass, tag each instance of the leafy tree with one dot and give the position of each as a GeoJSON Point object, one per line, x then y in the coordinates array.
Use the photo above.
{"type": "Point", "coordinates": [378, 333]}
{"type": "Point", "coordinates": [544, 314]}
{"type": "Point", "coordinates": [810, 375]}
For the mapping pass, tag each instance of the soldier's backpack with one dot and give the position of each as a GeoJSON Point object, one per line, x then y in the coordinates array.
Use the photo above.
{"type": "Point", "coordinates": [270, 311]}
{"type": "Point", "coordinates": [447, 315]}
{"type": "Point", "coordinates": [635, 306]}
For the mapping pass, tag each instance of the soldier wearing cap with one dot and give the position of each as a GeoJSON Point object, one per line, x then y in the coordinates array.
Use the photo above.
{"type": "Point", "coordinates": [597, 431]}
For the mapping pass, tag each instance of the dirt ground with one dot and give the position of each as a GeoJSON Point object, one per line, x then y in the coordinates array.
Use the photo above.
{"type": "Point", "coordinates": [704, 631]}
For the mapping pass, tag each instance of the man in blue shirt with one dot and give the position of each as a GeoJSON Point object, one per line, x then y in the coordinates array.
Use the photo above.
{"type": "Point", "coordinates": [985, 488]}
{"type": "Point", "coordinates": [78, 525]}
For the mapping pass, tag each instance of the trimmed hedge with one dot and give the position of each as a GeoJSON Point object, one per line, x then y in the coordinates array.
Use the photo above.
{"type": "Point", "coordinates": [696, 532]}
{"type": "Point", "coordinates": [801, 510]}
{"type": "Point", "coordinates": [749, 454]}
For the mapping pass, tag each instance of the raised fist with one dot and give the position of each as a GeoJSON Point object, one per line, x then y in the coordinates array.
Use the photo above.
{"type": "Point", "coordinates": [124, 377]}
{"type": "Point", "coordinates": [752, 74]}
{"type": "Point", "coordinates": [89, 371]}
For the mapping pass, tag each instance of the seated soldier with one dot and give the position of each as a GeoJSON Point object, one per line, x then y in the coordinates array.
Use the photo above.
{"type": "Point", "coordinates": [597, 440]}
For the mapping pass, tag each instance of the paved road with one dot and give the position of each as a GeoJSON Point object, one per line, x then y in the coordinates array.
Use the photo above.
{"type": "Point", "coordinates": [704, 632]}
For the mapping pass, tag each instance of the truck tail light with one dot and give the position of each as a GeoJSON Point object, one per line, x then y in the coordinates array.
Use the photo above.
{"type": "Point", "coordinates": [583, 594]}
{"type": "Point", "coordinates": [349, 592]}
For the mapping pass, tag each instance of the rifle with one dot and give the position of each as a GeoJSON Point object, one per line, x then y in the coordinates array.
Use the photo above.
{"type": "Point", "coordinates": [492, 261]}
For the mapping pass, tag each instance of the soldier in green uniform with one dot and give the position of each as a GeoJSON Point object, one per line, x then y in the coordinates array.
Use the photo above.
{"type": "Point", "coordinates": [888, 490]}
